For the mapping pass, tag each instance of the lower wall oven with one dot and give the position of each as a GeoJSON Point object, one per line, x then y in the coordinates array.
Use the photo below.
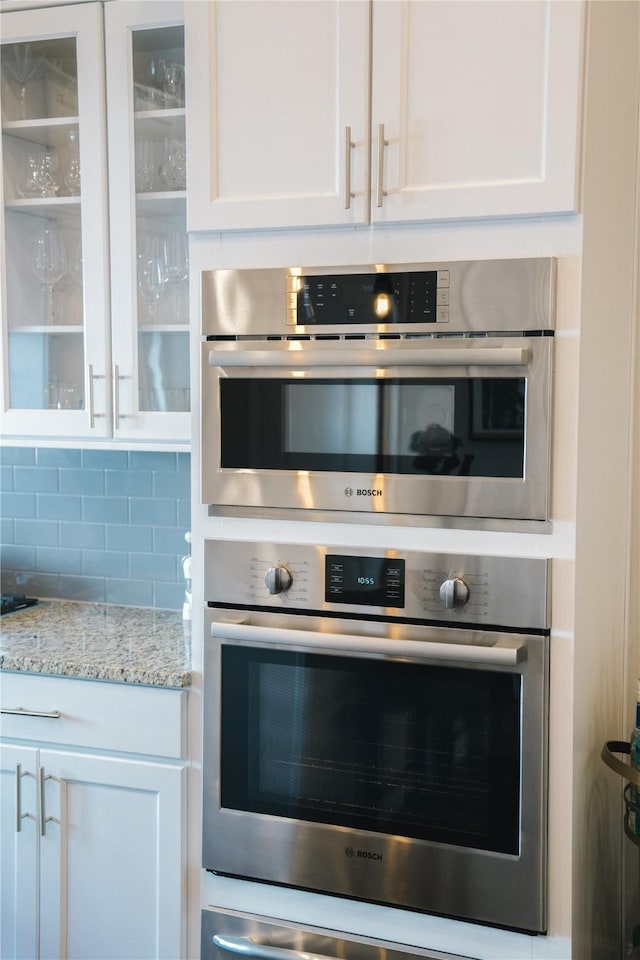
{"type": "Point", "coordinates": [375, 726]}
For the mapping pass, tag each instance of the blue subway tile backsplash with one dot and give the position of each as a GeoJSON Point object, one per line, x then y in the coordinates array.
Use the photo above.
{"type": "Point", "coordinates": [95, 525]}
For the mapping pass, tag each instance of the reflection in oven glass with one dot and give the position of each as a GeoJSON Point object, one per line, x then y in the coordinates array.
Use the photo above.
{"type": "Point", "coordinates": [397, 748]}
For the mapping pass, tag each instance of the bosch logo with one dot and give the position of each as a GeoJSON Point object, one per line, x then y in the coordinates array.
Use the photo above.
{"type": "Point", "coordinates": [363, 854]}
{"type": "Point", "coordinates": [362, 492]}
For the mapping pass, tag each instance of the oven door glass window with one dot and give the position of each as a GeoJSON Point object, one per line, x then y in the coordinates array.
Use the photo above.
{"type": "Point", "coordinates": [412, 750]}
{"type": "Point", "coordinates": [465, 427]}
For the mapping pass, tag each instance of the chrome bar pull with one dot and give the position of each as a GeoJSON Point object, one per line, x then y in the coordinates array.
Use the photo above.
{"type": "Point", "coordinates": [19, 814]}
{"type": "Point", "coordinates": [382, 143]}
{"type": "Point", "coordinates": [90, 407]}
{"type": "Point", "coordinates": [91, 376]}
{"type": "Point", "coordinates": [116, 396]}
{"type": "Point", "coordinates": [24, 712]}
{"type": "Point", "coordinates": [348, 147]}
{"type": "Point", "coordinates": [247, 947]}
{"type": "Point", "coordinates": [44, 819]}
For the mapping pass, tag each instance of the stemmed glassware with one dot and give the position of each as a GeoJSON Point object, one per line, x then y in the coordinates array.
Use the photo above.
{"type": "Point", "coordinates": [22, 62]}
{"type": "Point", "coordinates": [49, 262]}
{"type": "Point", "coordinates": [151, 274]}
{"type": "Point", "coordinates": [173, 168]}
{"type": "Point", "coordinates": [176, 266]}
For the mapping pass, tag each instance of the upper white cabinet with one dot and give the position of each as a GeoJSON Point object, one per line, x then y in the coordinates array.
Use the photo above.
{"type": "Point", "coordinates": [55, 302]}
{"type": "Point", "coordinates": [94, 301]}
{"type": "Point", "coordinates": [279, 93]}
{"type": "Point", "coordinates": [147, 217]}
{"type": "Point", "coordinates": [460, 110]}
{"type": "Point", "coordinates": [475, 108]}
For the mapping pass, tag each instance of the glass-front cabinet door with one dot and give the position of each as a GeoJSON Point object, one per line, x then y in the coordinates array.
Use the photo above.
{"type": "Point", "coordinates": [55, 296]}
{"type": "Point", "coordinates": [149, 251]}
{"type": "Point", "coordinates": [95, 310]}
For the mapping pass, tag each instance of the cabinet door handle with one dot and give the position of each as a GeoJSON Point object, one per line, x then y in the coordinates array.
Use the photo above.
{"type": "Point", "coordinates": [44, 819]}
{"type": "Point", "coordinates": [382, 143]}
{"type": "Point", "coordinates": [91, 376]}
{"type": "Point", "coordinates": [90, 410]}
{"type": "Point", "coordinates": [116, 396]}
{"type": "Point", "coordinates": [348, 147]}
{"type": "Point", "coordinates": [19, 814]}
{"type": "Point", "coordinates": [24, 712]}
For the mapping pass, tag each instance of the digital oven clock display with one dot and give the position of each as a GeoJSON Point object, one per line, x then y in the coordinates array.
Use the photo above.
{"type": "Point", "coordinates": [367, 581]}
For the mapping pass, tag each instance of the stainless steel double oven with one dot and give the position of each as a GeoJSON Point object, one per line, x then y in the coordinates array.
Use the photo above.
{"type": "Point", "coordinates": [381, 393]}
{"type": "Point", "coordinates": [375, 720]}
{"type": "Point", "coordinates": [375, 726]}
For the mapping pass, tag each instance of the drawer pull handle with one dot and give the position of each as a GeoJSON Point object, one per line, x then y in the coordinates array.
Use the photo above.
{"type": "Point", "coordinates": [24, 712]}
{"type": "Point", "coordinates": [248, 947]}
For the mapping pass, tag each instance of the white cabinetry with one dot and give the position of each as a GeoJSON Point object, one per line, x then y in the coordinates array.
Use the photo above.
{"type": "Point", "coordinates": [79, 359]}
{"type": "Point", "coordinates": [93, 844]}
{"type": "Point", "coordinates": [461, 110]}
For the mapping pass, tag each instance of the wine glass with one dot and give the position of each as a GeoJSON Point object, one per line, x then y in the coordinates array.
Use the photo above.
{"type": "Point", "coordinates": [72, 171]}
{"type": "Point", "coordinates": [22, 62]}
{"type": "Point", "coordinates": [28, 184]}
{"type": "Point", "coordinates": [47, 174]}
{"type": "Point", "coordinates": [151, 274]}
{"type": "Point", "coordinates": [49, 262]}
{"type": "Point", "coordinates": [75, 267]}
{"type": "Point", "coordinates": [176, 265]}
{"type": "Point", "coordinates": [173, 168]}
{"type": "Point", "coordinates": [172, 83]}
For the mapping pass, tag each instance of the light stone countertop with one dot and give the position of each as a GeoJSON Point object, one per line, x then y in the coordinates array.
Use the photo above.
{"type": "Point", "coordinates": [98, 641]}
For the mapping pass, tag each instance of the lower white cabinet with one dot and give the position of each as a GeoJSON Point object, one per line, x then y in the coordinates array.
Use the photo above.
{"type": "Point", "coordinates": [93, 846]}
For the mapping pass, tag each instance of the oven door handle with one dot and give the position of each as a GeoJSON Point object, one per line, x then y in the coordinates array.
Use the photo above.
{"type": "Point", "coordinates": [247, 947]}
{"type": "Point", "coordinates": [507, 651]}
{"type": "Point", "coordinates": [406, 355]}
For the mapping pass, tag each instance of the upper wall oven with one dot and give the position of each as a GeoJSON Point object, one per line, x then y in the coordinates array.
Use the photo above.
{"type": "Point", "coordinates": [379, 393]}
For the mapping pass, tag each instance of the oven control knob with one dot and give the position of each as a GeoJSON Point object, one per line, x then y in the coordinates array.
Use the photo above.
{"type": "Point", "coordinates": [454, 593]}
{"type": "Point", "coordinates": [278, 579]}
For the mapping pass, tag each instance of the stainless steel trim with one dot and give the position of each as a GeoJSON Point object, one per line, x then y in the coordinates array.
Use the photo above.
{"type": "Point", "coordinates": [429, 521]}
{"type": "Point", "coordinates": [401, 354]}
{"type": "Point", "coordinates": [25, 712]}
{"type": "Point", "coordinates": [506, 651]}
{"type": "Point", "coordinates": [247, 947]}
{"type": "Point", "coordinates": [382, 143]}
{"type": "Point", "coordinates": [233, 925]}
{"type": "Point", "coordinates": [348, 147]}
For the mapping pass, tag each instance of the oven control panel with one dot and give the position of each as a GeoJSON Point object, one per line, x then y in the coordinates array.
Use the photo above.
{"type": "Point", "coordinates": [371, 581]}
{"type": "Point", "coordinates": [385, 584]}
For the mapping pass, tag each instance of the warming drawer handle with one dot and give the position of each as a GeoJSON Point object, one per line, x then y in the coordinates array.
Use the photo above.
{"type": "Point", "coordinates": [24, 712]}
{"type": "Point", "coordinates": [509, 651]}
{"type": "Point", "coordinates": [388, 357]}
{"type": "Point", "coordinates": [246, 947]}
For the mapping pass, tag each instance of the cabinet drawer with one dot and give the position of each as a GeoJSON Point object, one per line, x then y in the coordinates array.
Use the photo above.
{"type": "Point", "coordinates": [86, 713]}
